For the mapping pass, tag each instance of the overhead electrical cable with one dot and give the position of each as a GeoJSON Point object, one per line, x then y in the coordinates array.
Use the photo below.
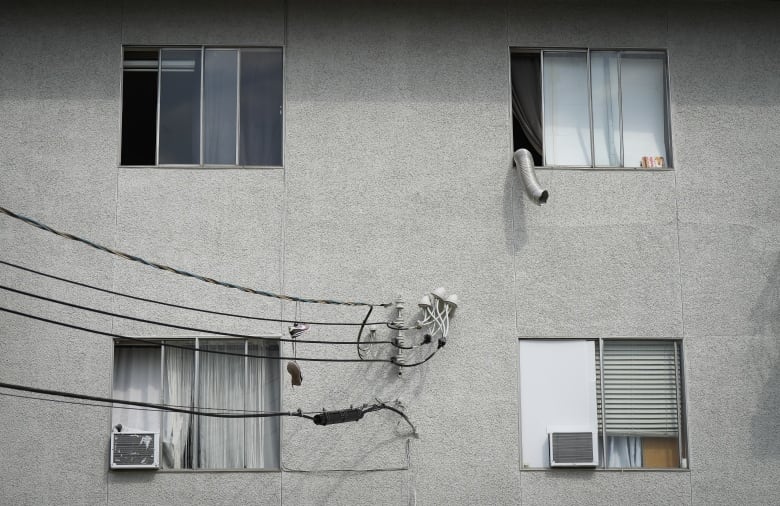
{"type": "Point", "coordinates": [160, 407]}
{"type": "Point", "coordinates": [181, 272]}
{"type": "Point", "coordinates": [182, 327]}
{"type": "Point", "coordinates": [157, 342]}
{"type": "Point", "coordinates": [336, 416]}
{"type": "Point", "coordinates": [187, 308]}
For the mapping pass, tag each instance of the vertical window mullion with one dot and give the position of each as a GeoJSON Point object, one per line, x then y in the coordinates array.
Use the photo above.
{"type": "Point", "coordinates": [678, 383]}
{"type": "Point", "coordinates": [246, 389]}
{"type": "Point", "coordinates": [159, 92]}
{"type": "Point", "coordinates": [238, 104]}
{"type": "Point", "coordinates": [667, 113]}
{"type": "Point", "coordinates": [196, 404]}
{"type": "Point", "coordinates": [162, 387]}
{"type": "Point", "coordinates": [620, 107]}
{"type": "Point", "coordinates": [541, 93]}
{"type": "Point", "coordinates": [590, 112]}
{"type": "Point", "coordinates": [202, 104]}
{"type": "Point", "coordinates": [603, 405]}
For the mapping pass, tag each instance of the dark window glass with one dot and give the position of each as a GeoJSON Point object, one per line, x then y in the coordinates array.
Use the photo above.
{"type": "Point", "coordinates": [220, 88]}
{"type": "Point", "coordinates": [180, 106]}
{"type": "Point", "coordinates": [139, 107]}
{"type": "Point", "coordinates": [261, 107]}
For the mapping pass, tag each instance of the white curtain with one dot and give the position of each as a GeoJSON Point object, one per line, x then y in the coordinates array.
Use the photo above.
{"type": "Point", "coordinates": [566, 109]}
{"type": "Point", "coordinates": [606, 108]}
{"type": "Point", "coordinates": [221, 381]}
{"type": "Point", "coordinates": [137, 378]}
{"type": "Point", "coordinates": [179, 380]}
{"type": "Point", "coordinates": [263, 395]}
{"type": "Point", "coordinates": [624, 451]}
{"type": "Point", "coordinates": [644, 109]}
{"type": "Point", "coordinates": [220, 93]}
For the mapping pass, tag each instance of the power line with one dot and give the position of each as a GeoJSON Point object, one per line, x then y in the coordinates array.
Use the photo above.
{"type": "Point", "coordinates": [365, 409]}
{"type": "Point", "coordinates": [181, 272]}
{"type": "Point", "coordinates": [218, 352]}
{"type": "Point", "coordinates": [183, 327]}
{"type": "Point", "coordinates": [160, 407]}
{"type": "Point", "coordinates": [179, 306]}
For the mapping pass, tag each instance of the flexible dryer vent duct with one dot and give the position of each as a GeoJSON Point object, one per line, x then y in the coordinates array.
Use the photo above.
{"type": "Point", "coordinates": [525, 166]}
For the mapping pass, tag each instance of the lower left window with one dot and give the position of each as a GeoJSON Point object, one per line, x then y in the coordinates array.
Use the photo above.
{"type": "Point", "coordinates": [201, 380]}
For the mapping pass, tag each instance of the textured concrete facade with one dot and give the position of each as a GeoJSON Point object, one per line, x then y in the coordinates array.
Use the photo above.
{"type": "Point", "coordinates": [398, 178]}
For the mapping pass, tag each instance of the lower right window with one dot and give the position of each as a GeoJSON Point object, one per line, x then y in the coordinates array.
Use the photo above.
{"type": "Point", "coordinates": [607, 403]}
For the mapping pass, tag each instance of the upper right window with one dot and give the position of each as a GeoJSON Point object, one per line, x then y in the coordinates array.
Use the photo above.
{"type": "Point", "coordinates": [592, 108]}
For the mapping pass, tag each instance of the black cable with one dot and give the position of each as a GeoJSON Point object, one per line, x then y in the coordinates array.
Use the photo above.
{"type": "Point", "coordinates": [360, 332]}
{"type": "Point", "coordinates": [179, 306]}
{"type": "Point", "coordinates": [180, 327]}
{"type": "Point", "coordinates": [148, 406]}
{"type": "Point", "coordinates": [188, 348]}
{"type": "Point", "coordinates": [378, 407]}
{"type": "Point", "coordinates": [181, 272]}
{"type": "Point", "coordinates": [161, 407]}
{"type": "Point", "coordinates": [415, 364]}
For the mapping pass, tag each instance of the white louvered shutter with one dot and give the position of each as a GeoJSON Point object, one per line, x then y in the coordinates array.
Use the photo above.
{"type": "Point", "coordinates": [641, 388]}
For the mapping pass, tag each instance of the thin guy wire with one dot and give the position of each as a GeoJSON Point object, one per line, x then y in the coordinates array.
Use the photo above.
{"type": "Point", "coordinates": [173, 325]}
{"type": "Point", "coordinates": [179, 306]}
{"type": "Point", "coordinates": [174, 270]}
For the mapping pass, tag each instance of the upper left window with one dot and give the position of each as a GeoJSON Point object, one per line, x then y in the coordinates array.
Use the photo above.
{"type": "Point", "coordinates": [197, 106]}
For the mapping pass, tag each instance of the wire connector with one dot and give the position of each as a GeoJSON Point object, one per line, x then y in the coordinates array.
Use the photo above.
{"type": "Point", "coordinates": [339, 416]}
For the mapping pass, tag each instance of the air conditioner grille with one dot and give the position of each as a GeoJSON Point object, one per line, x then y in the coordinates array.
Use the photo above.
{"type": "Point", "coordinates": [572, 447]}
{"type": "Point", "coordinates": [133, 449]}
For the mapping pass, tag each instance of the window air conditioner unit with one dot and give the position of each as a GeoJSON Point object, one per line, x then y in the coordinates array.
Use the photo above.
{"type": "Point", "coordinates": [135, 450]}
{"type": "Point", "coordinates": [573, 448]}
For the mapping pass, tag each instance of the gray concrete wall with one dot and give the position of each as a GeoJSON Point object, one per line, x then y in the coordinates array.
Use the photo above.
{"type": "Point", "coordinates": [398, 179]}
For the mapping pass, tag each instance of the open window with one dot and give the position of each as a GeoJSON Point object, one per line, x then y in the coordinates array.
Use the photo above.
{"type": "Point", "coordinates": [592, 108]}
{"type": "Point", "coordinates": [202, 106]}
{"type": "Point", "coordinates": [628, 393]}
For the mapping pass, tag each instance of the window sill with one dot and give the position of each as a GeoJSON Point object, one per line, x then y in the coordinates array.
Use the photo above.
{"type": "Point", "coordinates": [608, 470]}
{"type": "Point", "coordinates": [606, 169]}
{"type": "Point", "coordinates": [198, 471]}
{"type": "Point", "coordinates": [203, 167]}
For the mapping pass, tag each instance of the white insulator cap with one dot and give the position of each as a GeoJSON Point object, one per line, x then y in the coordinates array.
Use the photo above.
{"type": "Point", "coordinates": [440, 293]}
{"type": "Point", "coordinates": [452, 301]}
{"type": "Point", "coordinates": [425, 302]}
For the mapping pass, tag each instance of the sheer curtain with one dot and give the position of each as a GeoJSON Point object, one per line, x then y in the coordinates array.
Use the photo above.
{"type": "Point", "coordinates": [624, 451]}
{"type": "Point", "coordinates": [566, 109]}
{"type": "Point", "coordinates": [643, 86]}
{"type": "Point", "coordinates": [137, 378]}
{"type": "Point", "coordinates": [263, 395]}
{"type": "Point", "coordinates": [606, 108]}
{"type": "Point", "coordinates": [221, 381]}
{"type": "Point", "coordinates": [220, 90]}
{"type": "Point", "coordinates": [179, 378]}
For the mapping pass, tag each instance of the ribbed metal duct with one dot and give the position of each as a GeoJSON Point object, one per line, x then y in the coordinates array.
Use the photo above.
{"type": "Point", "coordinates": [524, 163]}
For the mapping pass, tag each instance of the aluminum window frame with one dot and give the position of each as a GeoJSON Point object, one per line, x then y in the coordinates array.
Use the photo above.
{"type": "Point", "coordinates": [683, 447]}
{"type": "Point", "coordinates": [670, 158]}
{"type": "Point", "coordinates": [202, 48]}
{"type": "Point", "coordinates": [195, 339]}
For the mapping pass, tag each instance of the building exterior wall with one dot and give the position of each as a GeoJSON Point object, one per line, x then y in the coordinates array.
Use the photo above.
{"type": "Point", "coordinates": [398, 178]}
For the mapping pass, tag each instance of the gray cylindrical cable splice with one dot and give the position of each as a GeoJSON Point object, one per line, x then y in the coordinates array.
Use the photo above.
{"type": "Point", "coordinates": [524, 163]}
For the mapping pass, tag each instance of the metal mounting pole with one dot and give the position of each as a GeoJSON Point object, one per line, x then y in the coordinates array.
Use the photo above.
{"type": "Point", "coordinates": [400, 339]}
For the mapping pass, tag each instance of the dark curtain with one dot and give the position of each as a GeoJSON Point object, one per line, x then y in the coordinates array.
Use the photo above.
{"type": "Point", "coordinates": [527, 101]}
